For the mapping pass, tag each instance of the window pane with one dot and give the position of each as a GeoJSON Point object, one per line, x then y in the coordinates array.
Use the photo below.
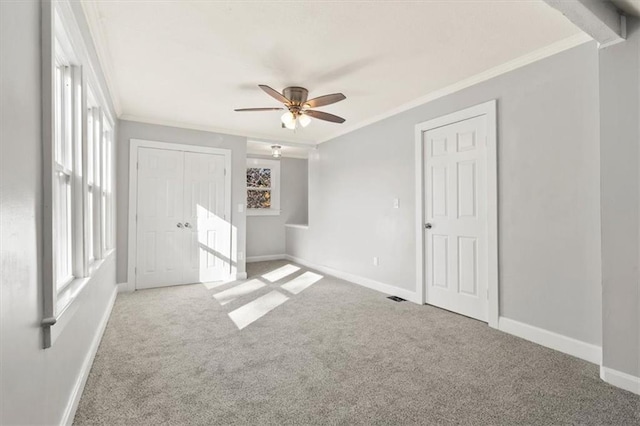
{"type": "Point", "coordinates": [89, 219]}
{"type": "Point", "coordinates": [62, 193]}
{"type": "Point", "coordinates": [108, 183]}
{"type": "Point", "coordinates": [103, 198]}
{"type": "Point", "coordinates": [58, 113]}
{"type": "Point", "coordinates": [97, 155]}
{"type": "Point", "coordinates": [68, 122]}
{"type": "Point", "coordinates": [103, 224]}
{"type": "Point", "coordinates": [90, 146]}
{"type": "Point", "coordinates": [258, 199]}
{"type": "Point", "coordinates": [109, 214]}
{"type": "Point", "coordinates": [258, 178]}
{"type": "Point", "coordinates": [62, 220]}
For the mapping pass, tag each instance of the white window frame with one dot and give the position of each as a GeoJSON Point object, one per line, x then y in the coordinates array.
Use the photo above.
{"type": "Point", "coordinates": [63, 46]}
{"type": "Point", "coordinates": [64, 142]}
{"type": "Point", "coordinates": [108, 173]}
{"type": "Point", "coordinates": [274, 165]}
{"type": "Point", "coordinates": [93, 184]}
{"type": "Point", "coordinates": [59, 291]}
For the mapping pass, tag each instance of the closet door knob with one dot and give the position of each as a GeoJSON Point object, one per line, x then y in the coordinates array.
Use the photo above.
{"type": "Point", "coordinates": [187, 225]}
{"type": "Point", "coordinates": [179, 225]}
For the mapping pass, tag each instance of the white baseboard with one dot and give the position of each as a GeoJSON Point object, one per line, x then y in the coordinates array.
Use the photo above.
{"type": "Point", "coordinates": [130, 288]}
{"type": "Point", "coordinates": [251, 259]}
{"type": "Point", "coordinates": [619, 379]}
{"type": "Point", "coordinates": [365, 282]}
{"type": "Point", "coordinates": [126, 288]}
{"type": "Point", "coordinates": [74, 400]}
{"type": "Point", "coordinates": [559, 342]}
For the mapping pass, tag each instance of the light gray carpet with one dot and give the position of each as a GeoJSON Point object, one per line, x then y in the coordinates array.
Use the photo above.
{"type": "Point", "coordinates": [336, 353]}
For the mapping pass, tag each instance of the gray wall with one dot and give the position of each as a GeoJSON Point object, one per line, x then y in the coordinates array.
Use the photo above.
{"type": "Point", "coordinates": [37, 384]}
{"type": "Point", "coordinates": [549, 204]}
{"type": "Point", "coordinates": [620, 163]}
{"type": "Point", "coordinates": [266, 234]}
{"type": "Point", "coordinates": [134, 130]}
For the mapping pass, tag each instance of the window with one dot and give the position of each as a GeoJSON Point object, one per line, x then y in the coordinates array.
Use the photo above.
{"type": "Point", "coordinates": [107, 224]}
{"type": "Point", "coordinates": [78, 167]}
{"type": "Point", "coordinates": [63, 199]}
{"type": "Point", "coordinates": [263, 187]}
{"type": "Point", "coordinates": [258, 188]}
{"type": "Point", "coordinates": [94, 151]}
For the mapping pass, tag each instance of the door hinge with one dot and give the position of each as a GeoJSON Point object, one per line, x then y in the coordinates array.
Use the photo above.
{"type": "Point", "coordinates": [135, 270]}
{"type": "Point", "coordinates": [487, 294]}
{"type": "Point", "coordinates": [137, 166]}
{"type": "Point", "coordinates": [225, 172]}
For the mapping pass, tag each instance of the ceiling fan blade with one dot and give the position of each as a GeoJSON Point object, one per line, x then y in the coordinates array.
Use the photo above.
{"type": "Point", "coordinates": [274, 94]}
{"type": "Point", "coordinates": [325, 100]}
{"type": "Point", "coordinates": [258, 109]}
{"type": "Point", "coordinates": [324, 116]}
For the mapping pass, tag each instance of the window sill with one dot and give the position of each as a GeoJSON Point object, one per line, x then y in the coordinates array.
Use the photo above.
{"type": "Point", "coordinates": [66, 283]}
{"type": "Point", "coordinates": [67, 306]}
{"type": "Point", "coordinates": [263, 212]}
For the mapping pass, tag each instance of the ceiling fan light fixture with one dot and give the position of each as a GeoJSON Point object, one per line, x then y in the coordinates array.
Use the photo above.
{"type": "Point", "coordinates": [287, 118]}
{"type": "Point", "coordinates": [304, 120]}
{"type": "Point", "coordinates": [276, 151]}
{"type": "Point", "coordinates": [298, 108]}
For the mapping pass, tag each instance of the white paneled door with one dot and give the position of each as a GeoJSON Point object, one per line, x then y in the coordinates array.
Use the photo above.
{"type": "Point", "coordinates": [183, 234]}
{"type": "Point", "coordinates": [209, 248]}
{"type": "Point", "coordinates": [455, 194]}
{"type": "Point", "coordinates": [160, 200]}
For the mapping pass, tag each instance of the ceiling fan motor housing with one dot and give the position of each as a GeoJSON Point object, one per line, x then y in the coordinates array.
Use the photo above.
{"type": "Point", "coordinates": [297, 95]}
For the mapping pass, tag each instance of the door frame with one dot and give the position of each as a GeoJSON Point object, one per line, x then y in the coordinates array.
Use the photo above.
{"type": "Point", "coordinates": [489, 109]}
{"type": "Point", "coordinates": [134, 144]}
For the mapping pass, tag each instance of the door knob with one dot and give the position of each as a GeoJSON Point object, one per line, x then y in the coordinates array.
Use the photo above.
{"type": "Point", "coordinates": [428, 226]}
{"type": "Point", "coordinates": [187, 225]}
{"type": "Point", "coordinates": [179, 225]}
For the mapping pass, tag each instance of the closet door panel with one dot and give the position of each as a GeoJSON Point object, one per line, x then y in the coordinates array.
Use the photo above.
{"type": "Point", "coordinates": [160, 236]}
{"type": "Point", "coordinates": [209, 242]}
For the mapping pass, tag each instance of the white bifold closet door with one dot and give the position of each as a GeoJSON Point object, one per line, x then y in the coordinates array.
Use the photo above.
{"type": "Point", "coordinates": [183, 235]}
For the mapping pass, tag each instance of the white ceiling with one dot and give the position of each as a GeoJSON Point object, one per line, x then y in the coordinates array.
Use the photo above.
{"type": "Point", "coordinates": [190, 63]}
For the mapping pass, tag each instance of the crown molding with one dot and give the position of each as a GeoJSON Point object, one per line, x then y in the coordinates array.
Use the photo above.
{"type": "Point", "coordinates": [205, 128]}
{"type": "Point", "coordinates": [506, 67]}
{"type": "Point", "coordinates": [94, 21]}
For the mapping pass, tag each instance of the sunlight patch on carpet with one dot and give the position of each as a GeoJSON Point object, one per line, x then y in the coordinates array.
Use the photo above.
{"type": "Point", "coordinates": [252, 311]}
{"type": "Point", "coordinates": [240, 290]}
{"type": "Point", "coordinates": [280, 273]}
{"type": "Point", "coordinates": [301, 282]}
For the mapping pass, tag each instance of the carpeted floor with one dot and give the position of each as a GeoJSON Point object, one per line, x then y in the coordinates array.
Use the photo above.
{"type": "Point", "coordinates": [330, 352]}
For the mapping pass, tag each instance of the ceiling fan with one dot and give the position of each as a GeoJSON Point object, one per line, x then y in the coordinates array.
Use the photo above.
{"type": "Point", "coordinates": [298, 107]}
